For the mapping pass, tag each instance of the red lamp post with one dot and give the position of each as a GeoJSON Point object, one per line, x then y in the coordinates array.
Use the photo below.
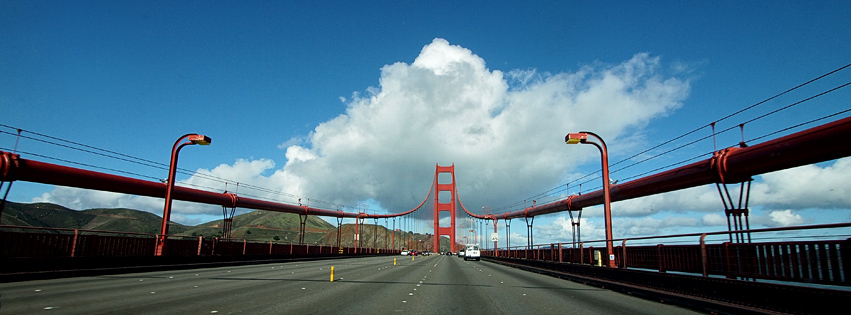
{"type": "Point", "coordinates": [172, 169]}
{"type": "Point", "coordinates": [582, 137]}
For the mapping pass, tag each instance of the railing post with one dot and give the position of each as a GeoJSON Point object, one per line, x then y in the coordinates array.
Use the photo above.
{"type": "Point", "coordinates": [660, 260]}
{"type": "Point", "coordinates": [200, 242]}
{"type": "Point", "coordinates": [270, 247]}
{"type": "Point", "coordinates": [704, 261]}
{"type": "Point", "coordinates": [560, 255]}
{"type": "Point", "coordinates": [155, 243]}
{"type": "Point", "coordinates": [590, 255]}
{"type": "Point", "coordinates": [244, 245]}
{"type": "Point", "coordinates": [623, 256]}
{"type": "Point", "coordinates": [74, 244]}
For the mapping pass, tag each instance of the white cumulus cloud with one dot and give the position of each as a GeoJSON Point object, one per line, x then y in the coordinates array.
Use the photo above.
{"type": "Point", "coordinates": [502, 130]}
{"type": "Point", "coordinates": [809, 186]}
{"type": "Point", "coordinates": [785, 218]}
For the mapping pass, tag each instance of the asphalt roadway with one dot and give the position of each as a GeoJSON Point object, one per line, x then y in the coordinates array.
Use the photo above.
{"type": "Point", "coordinates": [373, 285]}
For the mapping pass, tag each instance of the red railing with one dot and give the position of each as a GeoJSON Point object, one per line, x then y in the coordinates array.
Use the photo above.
{"type": "Point", "coordinates": [32, 242]}
{"type": "Point", "coordinates": [818, 261]}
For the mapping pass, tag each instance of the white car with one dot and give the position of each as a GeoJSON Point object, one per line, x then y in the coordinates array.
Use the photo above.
{"type": "Point", "coordinates": [404, 253]}
{"type": "Point", "coordinates": [472, 252]}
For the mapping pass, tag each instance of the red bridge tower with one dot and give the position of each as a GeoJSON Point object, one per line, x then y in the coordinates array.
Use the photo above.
{"type": "Point", "coordinates": [441, 207]}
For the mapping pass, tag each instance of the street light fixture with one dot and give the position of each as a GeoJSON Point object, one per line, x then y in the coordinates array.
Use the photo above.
{"type": "Point", "coordinates": [582, 137]}
{"type": "Point", "coordinates": [172, 169]}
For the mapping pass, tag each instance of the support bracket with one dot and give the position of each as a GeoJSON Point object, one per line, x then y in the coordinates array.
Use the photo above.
{"type": "Point", "coordinates": [734, 211]}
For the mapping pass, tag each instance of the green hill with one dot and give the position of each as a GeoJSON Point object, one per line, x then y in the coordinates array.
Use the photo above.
{"type": "Point", "coordinates": [128, 220]}
{"type": "Point", "coordinates": [255, 225]}
{"type": "Point", "coordinates": [43, 215]}
{"type": "Point", "coordinates": [266, 225]}
{"type": "Point", "coordinates": [382, 237]}
{"type": "Point", "coordinates": [56, 216]}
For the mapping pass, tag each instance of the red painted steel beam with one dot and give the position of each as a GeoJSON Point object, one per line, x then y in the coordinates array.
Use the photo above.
{"type": "Point", "coordinates": [822, 143]}
{"type": "Point", "coordinates": [12, 168]}
{"type": "Point", "coordinates": [818, 144]}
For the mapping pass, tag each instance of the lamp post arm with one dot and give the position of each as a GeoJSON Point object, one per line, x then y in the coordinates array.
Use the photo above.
{"type": "Point", "coordinates": [596, 145]}
{"type": "Point", "coordinates": [595, 136]}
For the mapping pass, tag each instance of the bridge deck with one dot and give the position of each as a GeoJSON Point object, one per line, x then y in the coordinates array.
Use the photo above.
{"type": "Point", "coordinates": [437, 284]}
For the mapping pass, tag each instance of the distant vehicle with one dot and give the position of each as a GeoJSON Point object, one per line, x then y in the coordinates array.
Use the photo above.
{"type": "Point", "coordinates": [461, 253]}
{"type": "Point", "coordinates": [405, 253]}
{"type": "Point", "coordinates": [414, 253]}
{"type": "Point", "coordinates": [472, 252]}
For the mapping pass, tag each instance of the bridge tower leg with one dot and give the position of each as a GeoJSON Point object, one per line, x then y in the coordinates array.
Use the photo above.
{"type": "Point", "coordinates": [441, 207]}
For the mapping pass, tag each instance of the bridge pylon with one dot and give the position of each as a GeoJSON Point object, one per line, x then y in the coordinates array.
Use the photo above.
{"type": "Point", "coordinates": [441, 207]}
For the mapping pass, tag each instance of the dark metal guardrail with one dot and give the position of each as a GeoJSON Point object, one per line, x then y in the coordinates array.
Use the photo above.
{"type": "Point", "coordinates": [36, 242]}
{"type": "Point", "coordinates": [29, 253]}
{"type": "Point", "coordinates": [782, 277]}
{"type": "Point", "coordinates": [818, 261]}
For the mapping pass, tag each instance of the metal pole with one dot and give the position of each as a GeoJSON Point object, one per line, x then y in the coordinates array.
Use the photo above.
{"type": "Point", "coordinates": [175, 150]}
{"type": "Point", "coordinates": [607, 207]}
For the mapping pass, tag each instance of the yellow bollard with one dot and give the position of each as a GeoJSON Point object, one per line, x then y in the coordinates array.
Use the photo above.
{"type": "Point", "coordinates": [394, 261]}
{"type": "Point", "coordinates": [332, 273]}
{"type": "Point", "coordinates": [412, 258]}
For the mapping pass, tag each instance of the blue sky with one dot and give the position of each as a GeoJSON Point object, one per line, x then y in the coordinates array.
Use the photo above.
{"type": "Point", "coordinates": [354, 103]}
